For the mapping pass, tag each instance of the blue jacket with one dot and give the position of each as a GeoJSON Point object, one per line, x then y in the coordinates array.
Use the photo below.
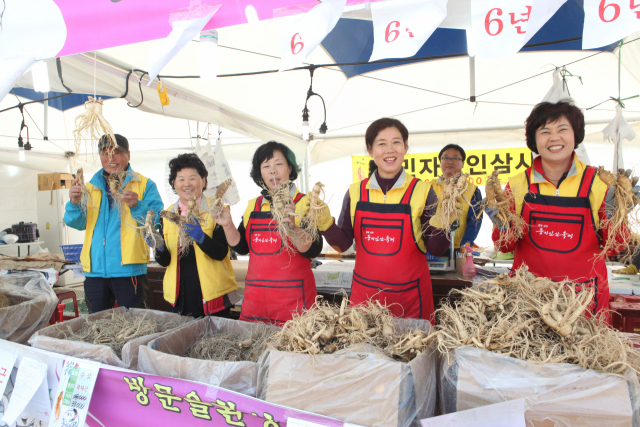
{"type": "Point", "coordinates": [106, 256]}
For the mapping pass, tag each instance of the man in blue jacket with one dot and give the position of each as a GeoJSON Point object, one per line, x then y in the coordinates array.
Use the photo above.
{"type": "Point", "coordinates": [114, 255]}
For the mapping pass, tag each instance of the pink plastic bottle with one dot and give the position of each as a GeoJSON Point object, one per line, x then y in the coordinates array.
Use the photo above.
{"type": "Point", "coordinates": [469, 269]}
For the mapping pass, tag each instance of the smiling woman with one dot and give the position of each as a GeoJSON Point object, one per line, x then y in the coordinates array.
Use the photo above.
{"type": "Point", "coordinates": [562, 201]}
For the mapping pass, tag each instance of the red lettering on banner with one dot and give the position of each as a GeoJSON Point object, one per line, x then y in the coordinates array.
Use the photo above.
{"type": "Point", "coordinates": [294, 44]}
{"type": "Point", "coordinates": [525, 18]}
{"type": "Point", "coordinates": [633, 5]}
{"type": "Point", "coordinates": [388, 32]}
{"type": "Point", "coordinates": [488, 21]}
{"type": "Point", "coordinates": [603, 7]}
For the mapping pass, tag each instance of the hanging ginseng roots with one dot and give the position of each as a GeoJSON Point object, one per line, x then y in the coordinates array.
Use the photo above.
{"type": "Point", "coordinates": [217, 202]}
{"type": "Point", "coordinates": [624, 218]}
{"type": "Point", "coordinates": [452, 196]}
{"type": "Point", "coordinates": [316, 206]}
{"type": "Point", "coordinates": [119, 328]}
{"type": "Point", "coordinates": [233, 347]}
{"type": "Point", "coordinates": [327, 328]}
{"type": "Point", "coordinates": [533, 319]}
{"type": "Point", "coordinates": [514, 226]}
{"type": "Point", "coordinates": [90, 126]}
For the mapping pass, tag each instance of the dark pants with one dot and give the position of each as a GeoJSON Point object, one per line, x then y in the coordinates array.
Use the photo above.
{"type": "Point", "coordinates": [101, 293]}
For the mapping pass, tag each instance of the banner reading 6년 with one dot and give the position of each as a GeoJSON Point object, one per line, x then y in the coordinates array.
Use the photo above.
{"type": "Point", "coordinates": [479, 163]}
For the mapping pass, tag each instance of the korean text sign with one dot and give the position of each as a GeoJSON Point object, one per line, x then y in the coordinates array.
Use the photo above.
{"type": "Point", "coordinates": [479, 163]}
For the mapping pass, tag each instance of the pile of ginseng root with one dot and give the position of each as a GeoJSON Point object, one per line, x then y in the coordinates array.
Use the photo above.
{"type": "Point", "coordinates": [326, 328]}
{"type": "Point", "coordinates": [503, 200]}
{"type": "Point", "coordinates": [624, 219]}
{"type": "Point", "coordinates": [119, 328]}
{"type": "Point", "coordinates": [231, 347]}
{"type": "Point", "coordinates": [4, 300]}
{"type": "Point", "coordinates": [533, 319]}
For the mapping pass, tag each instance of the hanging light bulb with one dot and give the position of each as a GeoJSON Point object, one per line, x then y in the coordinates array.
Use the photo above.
{"type": "Point", "coordinates": [208, 54]}
{"type": "Point", "coordinates": [40, 75]}
{"type": "Point", "coordinates": [305, 123]}
{"type": "Point", "coordinates": [20, 149]}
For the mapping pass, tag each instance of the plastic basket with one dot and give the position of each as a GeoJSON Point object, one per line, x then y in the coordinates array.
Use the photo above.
{"type": "Point", "coordinates": [71, 252]}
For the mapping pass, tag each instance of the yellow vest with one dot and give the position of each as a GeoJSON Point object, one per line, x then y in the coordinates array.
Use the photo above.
{"type": "Point", "coordinates": [568, 188]}
{"type": "Point", "coordinates": [301, 208]}
{"type": "Point", "coordinates": [394, 196]}
{"type": "Point", "coordinates": [132, 244]}
{"type": "Point", "coordinates": [468, 194]}
{"type": "Point", "coordinates": [216, 277]}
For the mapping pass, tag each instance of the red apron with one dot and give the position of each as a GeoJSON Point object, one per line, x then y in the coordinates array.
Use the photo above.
{"type": "Point", "coordinates": [562, 241]}
{"type": "Point", "coordinates": [390, 266]}
{"type": "Point", "coordinates": [278, 283]}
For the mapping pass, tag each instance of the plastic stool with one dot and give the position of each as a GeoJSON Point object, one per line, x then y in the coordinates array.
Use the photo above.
{"type": "Point", "coordinates": [57, 315]}
{"type": "Point", "coordinates": [65, 294]}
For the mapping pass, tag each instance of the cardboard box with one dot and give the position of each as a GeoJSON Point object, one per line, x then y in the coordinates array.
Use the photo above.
{"type": "Point", "coordinates": [358, 386]}
{"type": "Point", "coordinates": [556, 395]}
{"type": "Point", "coordinates": [54, 181]}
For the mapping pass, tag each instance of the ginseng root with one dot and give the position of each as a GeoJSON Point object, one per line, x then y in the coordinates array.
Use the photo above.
{"type": "Point", "coordinates": [503, 200]}
{"type": "Point", "coordinates": [217, 204]}
{"type": "Point", "coordinates": [316, 205]}
{"type": "Point", "coordinates": [280, 197]}
{"type": "Point", "coordinates": [4, 300]}
{"type": "Point", "coordinates": [116, 188]}
{"type": "Point", "coordinates": [86, 195]}
{"type": "Point", "coordinates": [453, 192]}
{"type": "Point", "coordinates": [91, 125]}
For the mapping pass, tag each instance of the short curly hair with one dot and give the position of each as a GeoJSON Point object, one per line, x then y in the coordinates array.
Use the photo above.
{"type": "Point", "coordinates": [265, 152]}
{"type": "Point", "coordinates": [187, 160]}
{"type": "Point", "coordinates": [547, 112]}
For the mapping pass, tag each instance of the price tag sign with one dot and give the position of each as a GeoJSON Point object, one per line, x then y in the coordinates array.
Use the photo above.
{"type": "Point", "coordinates": [7, 360]}
{"type": "Point", "coordinates": [401, 27]}
{"type": "Point", "coordinates": [499, 26]}
{"type": "Point", "coordinates": [607, 21]}
{"type": "Point", "coordinates": [29, 393]}
{"type": "Point", "coordinates": [71, 401]}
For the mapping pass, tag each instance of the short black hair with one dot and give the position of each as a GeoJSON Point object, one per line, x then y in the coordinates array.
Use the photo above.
{"type": "Point", "coordinates": [265, 152]}
{"type": "Point", "coordinates": [378, 126]}
{"type": "Point", "coordinates": [454, 146]}
{"type": "Point", "coordinates": [121, 143]}
{"type": "Point", "coordinates": [548, 112]}
{"type": "Point", "coordinates": [187, 160]}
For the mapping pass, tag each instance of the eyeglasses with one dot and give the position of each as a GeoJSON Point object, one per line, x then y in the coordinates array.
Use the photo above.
{"type": "Point", "coordinates": [450, 159]}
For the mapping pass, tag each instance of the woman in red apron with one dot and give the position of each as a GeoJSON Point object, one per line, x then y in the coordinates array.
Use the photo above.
{"type": "Point", "coordinates": [562, 200]}
{"type": "Point", "coordinates": [279, 283]}
{"type": "Point", "coordinates": [387, 215]}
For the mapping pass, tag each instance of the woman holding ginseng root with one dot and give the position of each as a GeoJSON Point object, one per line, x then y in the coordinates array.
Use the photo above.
{"type": "Point", "coordinates": [391, 217]}
{"type": "Point", "coordinates": [279, 279]}
{"type": "Point", "coordinates": [199, 279]}
{"type": "Point", "coordinates": [566, 207]}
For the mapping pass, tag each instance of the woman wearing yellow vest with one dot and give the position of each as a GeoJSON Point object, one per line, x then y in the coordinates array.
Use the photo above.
{"type": "Point", "coordinates": [388, 216]}
{"type": "Point", "coordinates": [452, 159]}
{"type": "Point", "coordinates": [562, 201]}
{"type": "Point", "coordinates": [202, 281]}
{"type": "Point", "coordinates": [278, 283]}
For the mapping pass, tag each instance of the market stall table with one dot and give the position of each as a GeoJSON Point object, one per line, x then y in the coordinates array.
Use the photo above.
{"type": "Point", "coordinates": [19, 245]}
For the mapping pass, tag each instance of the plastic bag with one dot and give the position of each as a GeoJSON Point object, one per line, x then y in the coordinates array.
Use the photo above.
{"type": "Point", "coordinates": [219, 171]}
{"type": "Point", "coordinates": [164, 356]}
{"type": "Point", "coordinates": [33, 305]}
{"type": "Point", "coordinates": [359, 386]}
{"type": "Point", "coordinates": [52, 338]}
{"type": "Point", "coordinates": [563, 394]}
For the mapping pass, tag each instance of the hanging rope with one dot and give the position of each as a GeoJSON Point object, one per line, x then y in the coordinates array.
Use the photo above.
{"type": "Point", "coordinates": [94, 74]}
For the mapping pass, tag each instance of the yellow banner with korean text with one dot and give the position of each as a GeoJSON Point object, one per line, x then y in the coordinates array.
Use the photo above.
{"type": "Point", "coordinates": [479, 163]}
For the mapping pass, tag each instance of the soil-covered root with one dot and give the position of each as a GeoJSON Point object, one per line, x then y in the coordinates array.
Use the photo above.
{"type": "Point", "coordinates": [533, 319]}
{"type": "Point", "coordinates": [503, 200]}
{"type": "Point", "coordinates": [326, 328]}
{"type": "Point", "coordinates": [231, 347]}
{"type": "Point", "coordinates": [119, 328]}
{"type": "Point", "coordinates": [281, 197]}
{"type": "Point", "coordinates": [217, 203]}
{"type": "Point", "coordinates": [115, 181]}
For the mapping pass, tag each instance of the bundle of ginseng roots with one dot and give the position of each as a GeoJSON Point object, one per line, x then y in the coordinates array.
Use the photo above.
{"type": "Point", "coordinates": [118, 329]}
{"type": "Point", "coordinates": [514, 225]}
{"type": "Point", "coordinates": [281, 197]}
{"type": "Point", "coordinates": [230, 347]}
{"type": "Point", "coordinates": [533, 319]}
{"type": "Point", "coordinates": [193, 214]}
{"type": "Point", "coordinates": [326, 328]}
{"type": "Point", "coordinates": [624, 219]}
{"type": "Point", "coordinates": [452, 196]}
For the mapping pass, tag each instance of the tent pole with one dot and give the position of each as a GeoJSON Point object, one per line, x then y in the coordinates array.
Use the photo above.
{"type": "Point", "coordinates": [472, 78]}
{"type": "Point", "coordinates": [46, 116]}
